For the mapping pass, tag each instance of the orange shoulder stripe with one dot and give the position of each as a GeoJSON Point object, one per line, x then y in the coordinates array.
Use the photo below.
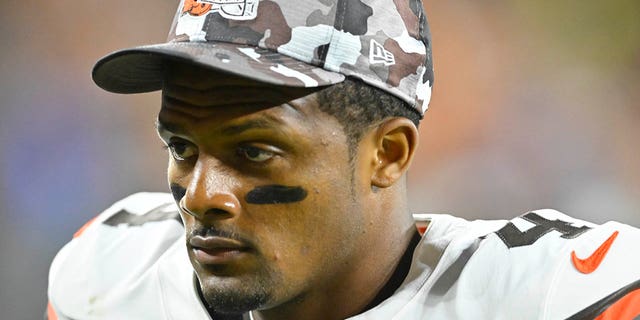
{"type": "Point", "coordinates": [51, 314]}
{"type": "Point", "coordinates": [627, 308]}
{"type": "Point", "coordinates": [84, 227]}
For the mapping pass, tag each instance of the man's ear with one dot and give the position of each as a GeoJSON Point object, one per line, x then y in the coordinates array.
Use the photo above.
{"type": "Point", "coordinates": [396, 142]}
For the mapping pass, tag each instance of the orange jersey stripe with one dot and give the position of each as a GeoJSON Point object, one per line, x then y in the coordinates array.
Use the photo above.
{"type": "Point", "coordinates": [627, 308]}
{"type": "Point", "coordinates": [84, 227]}
{"type": "Point", "coordinates": [51, 314]}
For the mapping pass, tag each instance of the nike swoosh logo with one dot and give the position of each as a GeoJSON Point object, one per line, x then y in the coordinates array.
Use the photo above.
{"type": "Point", "coordinates": [591, 263]}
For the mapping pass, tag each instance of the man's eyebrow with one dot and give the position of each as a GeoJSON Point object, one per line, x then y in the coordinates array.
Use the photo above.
{"type": "Point", "coordinates": [260, 123]}
{"type": "Point", "coordinates": [268, 122]}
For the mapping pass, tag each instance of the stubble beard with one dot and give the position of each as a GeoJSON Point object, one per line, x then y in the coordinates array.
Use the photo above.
{"type": "Point", "coordinates": [239, 296]}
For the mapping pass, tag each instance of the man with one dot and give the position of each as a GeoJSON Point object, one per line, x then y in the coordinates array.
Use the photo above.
{"type": "Point", "coordinates": [290, 126]}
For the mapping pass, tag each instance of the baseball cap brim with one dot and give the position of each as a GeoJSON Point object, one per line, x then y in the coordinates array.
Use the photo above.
{"type": "Point", "coordinates": [141, 69]}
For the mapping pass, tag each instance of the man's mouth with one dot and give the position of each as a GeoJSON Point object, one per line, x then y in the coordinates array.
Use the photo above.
{"type": "Point", "coordinates": [214, 250]}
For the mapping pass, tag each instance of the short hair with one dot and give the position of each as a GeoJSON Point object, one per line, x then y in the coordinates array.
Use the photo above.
{"type": "Point", "coordinates": [358, 107]}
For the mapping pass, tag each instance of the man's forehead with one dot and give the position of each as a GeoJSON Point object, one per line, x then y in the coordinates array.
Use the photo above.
{"type": "Point", "coordinates": [228, 119]}
{"type": "Point", "coordinates": [192, 94]}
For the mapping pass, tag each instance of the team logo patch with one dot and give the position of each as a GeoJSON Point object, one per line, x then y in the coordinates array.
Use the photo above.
{"type": "Point", "coordinates": [195, 8]}
{"type": "Point", "coordinates": [229, 9]}
{"type": "Point", "coordinates": [378, 54]}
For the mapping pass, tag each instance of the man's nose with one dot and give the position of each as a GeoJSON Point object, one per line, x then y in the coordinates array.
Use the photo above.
{"type": "Point", "coordinates": [209, 193]}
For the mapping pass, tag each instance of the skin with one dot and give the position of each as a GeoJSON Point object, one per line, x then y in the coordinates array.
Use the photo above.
{"type": "Point", "coordinates": [325, 252]}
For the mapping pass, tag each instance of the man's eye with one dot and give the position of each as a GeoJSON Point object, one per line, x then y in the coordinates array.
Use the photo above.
{"type": "Point", "coordinates": [255, 154]}
{"type": "Point", "coordinates": [181, 150]}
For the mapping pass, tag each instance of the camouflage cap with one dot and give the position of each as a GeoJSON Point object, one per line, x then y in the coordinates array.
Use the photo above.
{"type": "Point", "coordinates": [301, 43]}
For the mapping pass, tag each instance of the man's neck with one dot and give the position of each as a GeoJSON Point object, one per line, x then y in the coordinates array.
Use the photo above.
{"type": "Point", "coordinates": [399, 274]}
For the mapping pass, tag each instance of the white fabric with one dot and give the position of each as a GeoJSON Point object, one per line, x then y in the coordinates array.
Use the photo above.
{"type": "Point", "coordinates": [460, 270]}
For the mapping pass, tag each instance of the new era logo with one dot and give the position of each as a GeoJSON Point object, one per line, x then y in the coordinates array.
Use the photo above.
{"type": "Point", "coordinates": [378, 54]}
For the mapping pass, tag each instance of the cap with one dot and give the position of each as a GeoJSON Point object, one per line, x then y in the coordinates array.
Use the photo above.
{"type": "Point", "coordinates": [300, 43]}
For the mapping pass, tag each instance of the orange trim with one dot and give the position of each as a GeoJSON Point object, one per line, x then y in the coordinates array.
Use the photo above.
{"type": "Point", "coordinates": [194, 8]}
{"type": "Point", "coordinates": [422, 226]}
{"type": "Point", "coordinates": [51, 313]}
{"type": "Point", "coordinates": [591, 263]}
{"type": "Point", "coordinates": [84, 227]}
{"type": "Point", "coordinates": [627, 308]}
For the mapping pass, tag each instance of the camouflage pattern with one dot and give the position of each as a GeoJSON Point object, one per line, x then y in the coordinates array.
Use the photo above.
{"type": "Point", "coordinates": [385, 43]}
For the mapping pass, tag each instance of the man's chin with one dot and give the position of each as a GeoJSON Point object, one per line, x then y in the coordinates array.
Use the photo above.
{"type": "Point", "coordinates": [234, 295]}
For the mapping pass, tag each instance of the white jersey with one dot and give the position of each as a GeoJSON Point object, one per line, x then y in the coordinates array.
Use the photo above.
{"type": "Point", "coordinates": [131, 262]}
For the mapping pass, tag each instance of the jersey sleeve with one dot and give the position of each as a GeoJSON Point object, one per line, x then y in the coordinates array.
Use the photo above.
{"type": "Point", "coordinates": [109, 251]}
{"type": "Point", "coordinates": [600, 277]}
{"type": "Point", "coordinates": [547, 265]}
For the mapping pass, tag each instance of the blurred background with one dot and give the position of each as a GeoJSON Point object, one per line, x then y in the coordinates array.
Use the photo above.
{"type": "Point", "coordinates": [535, 106]}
